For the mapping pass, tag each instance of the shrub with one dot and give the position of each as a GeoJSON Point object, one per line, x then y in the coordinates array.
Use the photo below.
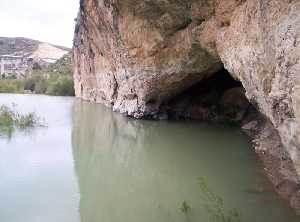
{"type": "Point", "coordinates": [25, 121]}
{"type": "Point", "coordinates": [6, 120]}
{"type": "Point", "coordinates": [62, 86]}
{"type": "Point", "coordinates": [10, 120]}
{"type": "Point", "coordinates": [37, 83]}
{"type": "Point", "coordinates": [41, 86]}
{"type": "Point", "coordinates": [11, 86]}
{"type": "Point", "coordinates": [29, 84]}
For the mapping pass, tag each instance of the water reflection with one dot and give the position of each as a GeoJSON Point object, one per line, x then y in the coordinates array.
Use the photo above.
{"type": "Point", "coordinates": [148, 171]}
{"type": "Point", "coordinates": [38, 183]}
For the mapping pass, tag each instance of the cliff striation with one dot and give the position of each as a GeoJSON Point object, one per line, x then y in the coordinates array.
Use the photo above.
{"type": "Point", "coordinates": [137, 56]}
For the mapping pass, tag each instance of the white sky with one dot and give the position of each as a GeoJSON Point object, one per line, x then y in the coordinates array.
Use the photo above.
{"type": "Point", "coordinates": [45, 20]}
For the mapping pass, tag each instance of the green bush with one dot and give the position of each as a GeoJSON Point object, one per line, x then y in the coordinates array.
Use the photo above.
{"type": "Point", "coordinates": [41, 87]}
{"type": "Point", "coordinates": [62, 86]}
{"type": "Point", "coordinates": [29, 84]}
{"type": "Point", "coordinates": [11, 86]}
{"type": "Point", "coordinates": [37, 83]}
{"type": "Point", "coordinates": [25, 121]}
{"type": "Point", "coordinates": [6, 120]}
{"type": "Point", "coordinates": [6, 116]}
{"type": "Point", "coordinates": [10, 120]}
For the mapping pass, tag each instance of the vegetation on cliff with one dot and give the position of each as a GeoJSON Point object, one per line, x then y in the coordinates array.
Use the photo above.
{"type": "Point", "coordinates": [56, 80]}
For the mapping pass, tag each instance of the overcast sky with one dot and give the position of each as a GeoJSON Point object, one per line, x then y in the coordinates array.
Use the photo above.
{"type": "Point", "coordinates": [45, 20]}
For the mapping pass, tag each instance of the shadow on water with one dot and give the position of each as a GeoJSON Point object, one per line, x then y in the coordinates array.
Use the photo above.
{"type": "Point", "coordinates": [130, 170]}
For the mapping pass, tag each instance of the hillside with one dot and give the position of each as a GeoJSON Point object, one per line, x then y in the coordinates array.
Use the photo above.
{"type": "Point", "coordinates": [18, 56]}
{"type": "Point", "coordinates": [54, 79]}
{"type": "Point", "coordinates": [17, 46]}
{"type": "Point", "coordinates": [21, 46]}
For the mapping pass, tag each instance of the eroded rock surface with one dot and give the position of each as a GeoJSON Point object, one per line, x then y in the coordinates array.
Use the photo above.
{"type": "Point", "coordinates": [261, 48]}
{"type": "Point", "coordinates": [136, 56]}
{"type": "Point", "coordinates": [133, 55]}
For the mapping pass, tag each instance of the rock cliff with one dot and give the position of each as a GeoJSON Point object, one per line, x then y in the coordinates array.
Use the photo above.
{"type": "Point", "coordinates": [136, 56]}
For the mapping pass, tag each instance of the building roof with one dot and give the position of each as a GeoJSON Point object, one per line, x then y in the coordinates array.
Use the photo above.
{"type": "Point", "coordinates": [11, 56]}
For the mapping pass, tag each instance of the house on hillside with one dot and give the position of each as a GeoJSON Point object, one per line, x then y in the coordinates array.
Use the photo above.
{"type": "Point", "coordinates": [13, 66]}
{"type": "Point", "coordinates": [19, 56]}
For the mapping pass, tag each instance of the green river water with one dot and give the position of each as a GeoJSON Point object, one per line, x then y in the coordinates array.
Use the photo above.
{"type": "Point", "coordinates": [92, 165]}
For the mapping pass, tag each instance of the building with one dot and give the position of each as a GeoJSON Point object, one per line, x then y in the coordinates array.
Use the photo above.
{"type": "Point", "coordinates": [13, 66]}
{"type": "Point", "coordinates": [19, 57]}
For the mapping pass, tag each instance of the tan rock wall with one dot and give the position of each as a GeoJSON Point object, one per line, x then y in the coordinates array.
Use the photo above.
{"type": "Point", "coordinates": [133, 55]}
{"type": "Point", "coordinates": [261, 48]}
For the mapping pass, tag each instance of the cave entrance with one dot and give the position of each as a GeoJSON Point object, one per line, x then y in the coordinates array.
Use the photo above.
{"type": "Point", "coordinates": [217, 99]}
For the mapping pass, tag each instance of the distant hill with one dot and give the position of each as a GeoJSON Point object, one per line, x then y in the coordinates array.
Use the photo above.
{"type": "Point", "coordinates": [23, 46]}
{"type": "Point", "coordinates": [18, 56]}
{"type": "Point", "coordinates": [17, 46]}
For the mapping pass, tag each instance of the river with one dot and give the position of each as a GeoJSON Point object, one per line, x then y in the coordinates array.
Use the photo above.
{"type": "Point", "coordinates": [93, 165]}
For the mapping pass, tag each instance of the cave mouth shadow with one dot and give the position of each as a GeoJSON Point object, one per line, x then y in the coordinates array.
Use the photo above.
{"type": "Point", "coordinates": [218, 99]}
{"type": "Point", "coordinates": [218, 82]}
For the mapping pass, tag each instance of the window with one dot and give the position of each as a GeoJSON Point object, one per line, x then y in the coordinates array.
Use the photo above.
{"type": "Point", "coordinates": [8, 67]}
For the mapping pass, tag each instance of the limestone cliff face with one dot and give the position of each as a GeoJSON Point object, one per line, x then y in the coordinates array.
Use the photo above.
{"type": "Point", "coordinates": [135, 55]}
{"type": "Point", "coordinates": [261, 48]}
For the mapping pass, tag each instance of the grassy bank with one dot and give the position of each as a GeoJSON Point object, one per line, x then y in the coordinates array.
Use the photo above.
{"type": "Point", "coordinates": [56, 80]}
